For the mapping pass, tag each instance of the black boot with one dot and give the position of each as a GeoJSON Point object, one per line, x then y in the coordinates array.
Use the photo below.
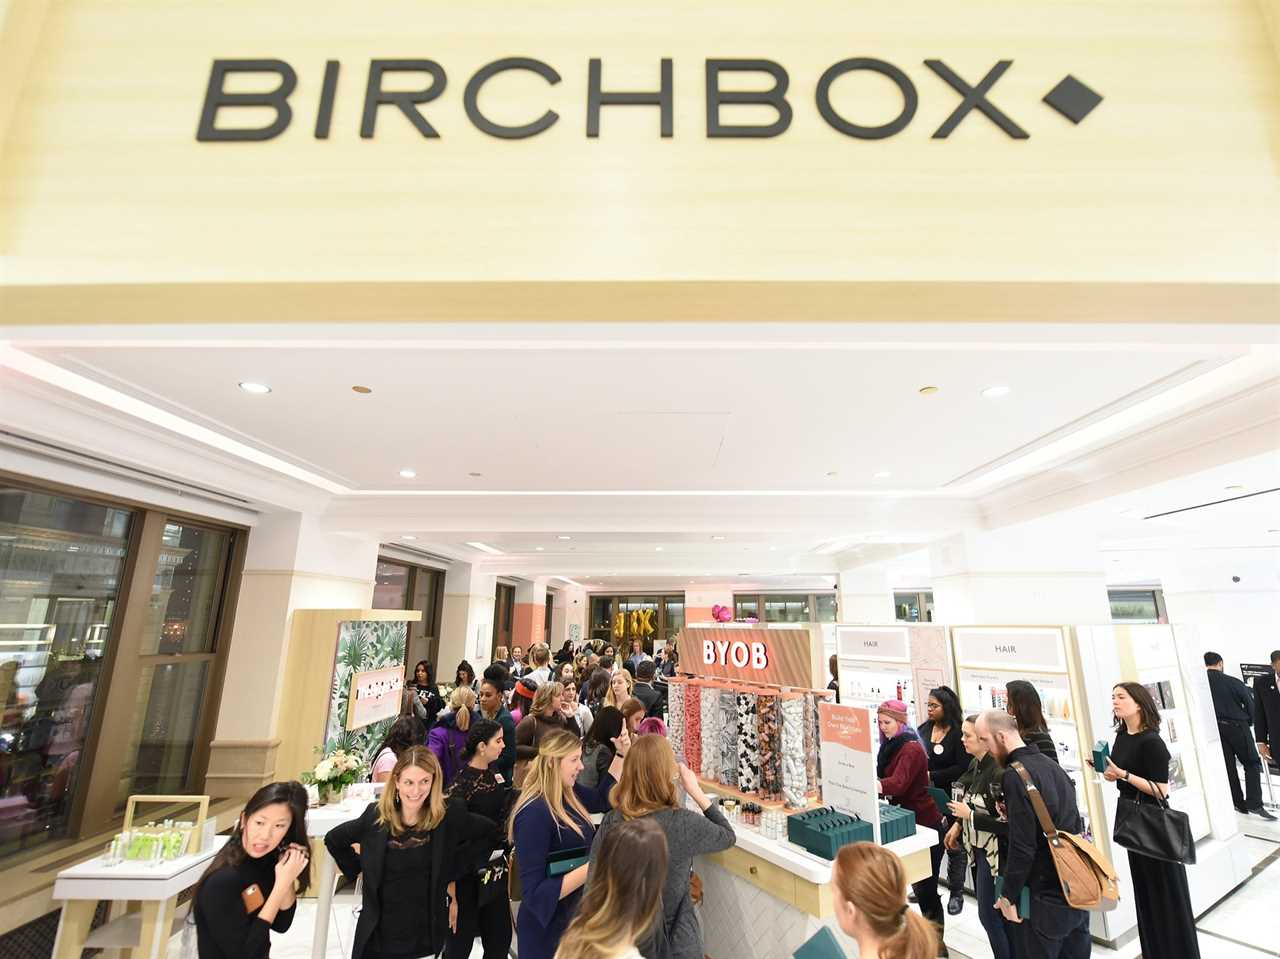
{"type": "Point", "coordinates": [955, 904]}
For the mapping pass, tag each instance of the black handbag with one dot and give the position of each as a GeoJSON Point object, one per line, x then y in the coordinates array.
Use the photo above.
{"type": "Point", "coordinates": [493, 878]}
{"type": "Point", "coordinates": [1154, 829]}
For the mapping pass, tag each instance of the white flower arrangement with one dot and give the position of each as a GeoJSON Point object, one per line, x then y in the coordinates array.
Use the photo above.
{"type": "Point", "coordinates": [337, 770]}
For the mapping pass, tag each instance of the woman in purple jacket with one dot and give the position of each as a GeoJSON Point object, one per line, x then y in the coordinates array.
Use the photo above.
{"type": "Point", "coordinates": [448, 740]}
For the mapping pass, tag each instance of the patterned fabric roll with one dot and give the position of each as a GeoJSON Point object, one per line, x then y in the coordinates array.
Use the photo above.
{"type": "Point", "coordinates": [769, 726]}
{"type": "Point", "coordinates": [728, 766]}
{"type": "Point", "coordinates": [675, 719]}
{"type": "Point", "coordinates": [749, 744]}
{"type": "Point", "coordinates": [795, 780]}
{"type": "Point", "coordinates": [811, 743]}
{"type": "Point", "coordinates": [710, 706]}
{"type": "Point", "coordinates": [693, 728]}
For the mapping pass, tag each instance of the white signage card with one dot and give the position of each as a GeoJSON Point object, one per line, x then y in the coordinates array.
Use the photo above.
{"type": "Point", "coordinates": [849, 783]}
{"type": "Point", "coordinates": [1012, 647]}
{"type": "Point", "coordinates": [875, 643]}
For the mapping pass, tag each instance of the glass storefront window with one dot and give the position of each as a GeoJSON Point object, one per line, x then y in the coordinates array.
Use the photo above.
{"type": "Point", "coordinates": [786, 609]}
{"type": "Point", "coordinates": [746, 607]}
{"type": "Point", "coordinates": [187, 590]}
{"type": "Point", "coordinates": [61, 563]}
{"type": "Point", "coordinates": [1134, 605]}
{"type": "Point", "coordinates": [391, 587]}
{"type": "Point", "coordinates": [826, 603]}
{"type": "Point", "coordinates": [673, 617]}
{"type": "Point", "coordinates": [170, 703]}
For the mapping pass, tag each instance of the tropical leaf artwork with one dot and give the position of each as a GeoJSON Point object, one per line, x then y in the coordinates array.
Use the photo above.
{"type": "Point", "coordinates": [362, 645]}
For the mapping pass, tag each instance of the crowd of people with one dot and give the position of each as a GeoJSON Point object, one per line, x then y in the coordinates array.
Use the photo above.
{"type": "Point", "coordinates": [493, 790]}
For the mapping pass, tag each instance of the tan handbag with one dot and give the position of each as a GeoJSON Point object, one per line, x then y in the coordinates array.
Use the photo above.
{"type": "Point", "coordinates": [1087, 877]}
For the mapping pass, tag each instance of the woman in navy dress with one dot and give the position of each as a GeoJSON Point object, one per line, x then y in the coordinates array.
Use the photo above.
{"type": "Point", "coordinates": [553, 815]}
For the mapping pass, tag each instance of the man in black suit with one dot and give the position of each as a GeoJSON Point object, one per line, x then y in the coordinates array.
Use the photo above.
{"type": "Point", "coordinates": [1266, 703]}
{"type": "Point", "coordinates": [1234, 708]}
{"type": "Point", "coordinates": [644, 690]}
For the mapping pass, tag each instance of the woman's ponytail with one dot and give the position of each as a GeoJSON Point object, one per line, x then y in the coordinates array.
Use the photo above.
{"type": "Point", "coordinates": [917, 939]}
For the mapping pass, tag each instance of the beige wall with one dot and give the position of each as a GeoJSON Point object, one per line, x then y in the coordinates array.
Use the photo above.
{"type": "Point", "coordinates": [1172, 180]}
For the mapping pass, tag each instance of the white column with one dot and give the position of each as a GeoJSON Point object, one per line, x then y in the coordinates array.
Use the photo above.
{"type": "Point", "coordinates": [865, 596]}
{"type": "Point", "coordinates": [466, 619]}
{"type": "Point", "coordinates": [1030, 575]}
{"type": "Point", "coordinates": [290, 564]}
{"type": "Point", "coordinates": [568, 611]}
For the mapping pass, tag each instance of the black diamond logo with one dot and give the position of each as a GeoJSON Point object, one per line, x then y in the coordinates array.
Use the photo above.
{"type": "Point", "coordinates": [1072, 99]}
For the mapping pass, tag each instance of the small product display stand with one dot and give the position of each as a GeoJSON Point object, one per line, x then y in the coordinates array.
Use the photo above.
{"type": "Point", "coordinates": [154, 885]}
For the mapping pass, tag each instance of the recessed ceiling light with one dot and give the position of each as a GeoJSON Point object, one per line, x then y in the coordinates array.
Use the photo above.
{"type": "Point", "coordinates": [564, 537]}
{"type": "Point", "coordinates": [475, 475]}
{"type": "Point", "coordinates": [255, 388]}
{"type": "Point", "coordinates": [884, 474]}
{"type": "Point", "coordinates": [995, 392]}
{"type": "Point", "coordinates": [927, 390]}
{"type": "Point", "coordinates": [409, 537]}
{"type": "Point", "coordinates": [539, 549]}
{"type": "Point", "coordinates": [833, 473]}
{"type": "Point", "coordinates": [657, 549]}
{"type": "Point", "coordinates": [407, 473]}
{"type": "Point", "coordinates": [485, 548]}
{"type": "Point", "coordinates": [362, 390]}
{"type": "Point", "coordinates": [717, 538]}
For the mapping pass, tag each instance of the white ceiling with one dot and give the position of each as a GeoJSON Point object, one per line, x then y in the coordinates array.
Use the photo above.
{"type": "Point", "coordinates": [637, 419]}
{"type": "Point", "coordinates": [644, 450]}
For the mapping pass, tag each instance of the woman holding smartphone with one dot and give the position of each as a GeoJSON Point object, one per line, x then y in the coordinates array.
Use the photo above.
{"type": "Point", "coordinates": [406, 845]}
{"type": "Point", "coordinates": [249, 889]}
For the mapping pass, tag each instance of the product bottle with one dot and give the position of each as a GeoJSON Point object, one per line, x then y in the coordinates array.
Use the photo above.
{"type": "Point", "coordinates": [899, 696]}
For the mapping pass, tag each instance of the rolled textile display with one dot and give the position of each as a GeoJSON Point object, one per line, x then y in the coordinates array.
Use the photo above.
{"type": "Point", "coordinates": [728, 758]}
{"type": "Point", "coordinates": [795, 779]}
{"type": "Point", "coordinates": [749, 744]}
{"type": "Point", "coordinates": [811, 743]}
{"type": "Point", "coordinates": [710, 711]}
{"type": "Point", "coordinates": [769, 727]}
{"type": "Point", "coordinates": [693, 727]}
{"type": "Point", "coordinates": [675, 717]}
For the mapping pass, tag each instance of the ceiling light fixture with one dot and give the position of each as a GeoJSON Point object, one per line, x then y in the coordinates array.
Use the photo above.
{"type": "Point", "coordinates": [539, 549]}
{"type": "Point", "coordinates": [927, 390]}
{"type": "Point", "coordinates": [485, 548]}
{"type": "Point", "coordinates": [884, 474]}
{"type": "Point", "coordinates": [362, 390]}
{"type": "Point", "coordinates": [410, 538]}
{"type": "Point", "coordinates": [564, 537]}
{"type": "Point", "coordinates": [407, 473]}
{"type": "Point", "coordinates": [995, 392]}
{"type": "Point", "coordinates": [258, 389]}
{"type": "Point", "coordinates": [717, 538]}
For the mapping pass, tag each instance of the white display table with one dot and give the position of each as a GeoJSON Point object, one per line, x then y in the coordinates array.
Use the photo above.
{"type": "Point", "coordinates": [320, 819]}
{"type": "Point", "coordinates": [763, 898]}
{"type": "Point", "coordinates": [154, 887]}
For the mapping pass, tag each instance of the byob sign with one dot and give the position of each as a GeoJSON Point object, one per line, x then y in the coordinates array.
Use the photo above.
{"type": "Point", "coordinates": [849, 750]}
{"type": "Point", "coordinates": [778, 657]}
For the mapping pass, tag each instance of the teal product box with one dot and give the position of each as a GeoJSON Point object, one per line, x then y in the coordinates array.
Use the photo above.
{"type": "Point", "coordinates": [896, 823]}
{"type": "Point", "coordinates": [823, 831]}
{"type": "Point", "coordinates": [821, 945]}
{"type": "Point", "coordinates": [1024, 900]}
{"type": "Point", "coordinates": [1101, 753]}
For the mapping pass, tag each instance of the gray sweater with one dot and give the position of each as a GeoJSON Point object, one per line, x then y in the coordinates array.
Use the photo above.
{"type": "Point", "coordinates": [688, 834]}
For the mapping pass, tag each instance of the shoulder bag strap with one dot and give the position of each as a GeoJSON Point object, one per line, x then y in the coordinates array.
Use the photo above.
{"type": "Point", "coordinates": [1037, 802]}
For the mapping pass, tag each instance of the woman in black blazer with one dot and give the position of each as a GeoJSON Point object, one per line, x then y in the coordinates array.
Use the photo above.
{"type": "Point", "coordinates": [407, 846]}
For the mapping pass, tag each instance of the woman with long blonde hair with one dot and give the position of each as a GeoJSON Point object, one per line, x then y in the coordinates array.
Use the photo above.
{"type": "Point", "coordinates": [620, 686]}
{"type": "Point", "coordinates": [406, 845]}
{"type": "Point", "coordinates": [448, 740]}
{"type": "Point", "coordinates": [870, 894]}
{"type": "Point", "coordinates": [552, 831]}
{"type": "Point", "coordinates": [548, 713]}
{"type": "Point", "coordinates": [647, 792]}
{"type": "Point", "coordinates": [622, 904]}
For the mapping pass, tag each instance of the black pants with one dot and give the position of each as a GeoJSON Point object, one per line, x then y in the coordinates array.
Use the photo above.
{"type": "Point", "coordinates": [926, 891]}
{"type": "Point", "coordinates": [1056, 931]}
{"type": "Point", "coordinates": [957, 865]}
{"type": "Point", "coordinates": [1237, 743]}
{"type": "Point", "coordinates": [492, 923]}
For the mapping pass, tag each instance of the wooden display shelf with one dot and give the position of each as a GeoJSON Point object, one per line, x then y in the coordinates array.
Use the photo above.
{"type": "Point", "coordinates": [729, 792]}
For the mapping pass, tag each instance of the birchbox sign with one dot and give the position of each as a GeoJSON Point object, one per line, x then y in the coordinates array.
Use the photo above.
{"type": "Point", "coordinates": [375, 695]}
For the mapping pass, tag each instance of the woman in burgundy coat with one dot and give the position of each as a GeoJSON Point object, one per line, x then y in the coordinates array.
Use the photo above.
{"type": "Point", "coordinates": [903, 769]}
